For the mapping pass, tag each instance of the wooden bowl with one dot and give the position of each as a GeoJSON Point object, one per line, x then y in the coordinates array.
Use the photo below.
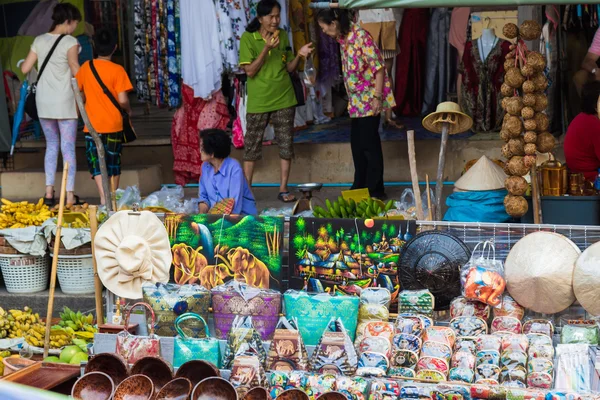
{"type": "Point", "coordinates": [257, 393]}
{"type": "Point", "coordinates": [293, 394]}
{"type": "Point", "coordinates": [12, 365]}
{"type": "Point", "coordinates": [332, 396]}
{"type": "Point", "coordinates": [214, 388]}
{"type": "Point", "coordinates": [177, 389]}
{"type": "Point", "coordinates": [136, 387]}
{"type": "Point", "coordinates": [155, 368]}
{"type": "Point", "coordinates": [111, 364]}
{"type": "Point", "coordinates": [93, 386]}
{"type": "Point", "coordinates": [197, 370]}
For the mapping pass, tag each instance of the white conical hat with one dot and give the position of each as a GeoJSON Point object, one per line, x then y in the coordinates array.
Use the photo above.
{"type": "Point", "coordinates": [586, 280]}
{"type": "Point", "coordinates": [484, 175]}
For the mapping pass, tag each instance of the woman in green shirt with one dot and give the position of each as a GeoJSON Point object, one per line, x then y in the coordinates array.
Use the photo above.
{"type": "Point", "coordinates": [267, 59]}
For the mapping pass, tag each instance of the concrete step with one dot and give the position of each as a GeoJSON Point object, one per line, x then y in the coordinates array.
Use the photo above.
{"type": "Point", "coordinates": [29, 183]}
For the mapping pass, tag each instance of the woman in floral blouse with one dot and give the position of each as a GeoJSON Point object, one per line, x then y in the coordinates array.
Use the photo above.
{"type": "Point", "coordinates": [369, 93]}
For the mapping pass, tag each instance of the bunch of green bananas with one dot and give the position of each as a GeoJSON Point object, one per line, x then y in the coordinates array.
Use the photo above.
{"type": "Point", "coordinates": [79, 325]}
{"type": "Point", "coordinates": [342, 208]}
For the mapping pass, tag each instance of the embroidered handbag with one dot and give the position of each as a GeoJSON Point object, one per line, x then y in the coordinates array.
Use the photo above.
{"type": "Point", "coordinates": [132, 347]}
{"type": "Point", "coordinates": [287, 351]}
{"type": "Point", "coordinates": [188, 348]}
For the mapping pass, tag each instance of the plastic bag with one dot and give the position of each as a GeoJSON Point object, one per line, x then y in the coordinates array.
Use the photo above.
{"type": "Point", "coordinates": [579, 334]}
{"type": "Point", "coordinates": [335, 352]}
{"type": "Point", "coordinates": [509, 307]}
{"type": "Point", "coordinates": [243, 339]}
{"type": "Point", "coordinates": [373, 306]}
{"type": "Point", "coordinates": [287, 351]}
{"type": "Point", "coordinates": [407, 204]}
{"type": "Point", "coordinates": [167, 197]}
{"type": "Point", "coordinates": [482, 278]}
{"type": "Point", "coordinates": [127, 197]}
{"type": "Point", "coordinates": [461, 307]}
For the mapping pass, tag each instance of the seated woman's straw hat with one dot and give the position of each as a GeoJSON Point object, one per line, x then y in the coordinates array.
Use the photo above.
{"type": "Point", "coordinates": [450, 112]}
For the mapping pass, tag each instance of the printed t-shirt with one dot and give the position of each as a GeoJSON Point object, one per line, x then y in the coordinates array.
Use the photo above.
{"type": "Point", "coordinates": [103, 115]}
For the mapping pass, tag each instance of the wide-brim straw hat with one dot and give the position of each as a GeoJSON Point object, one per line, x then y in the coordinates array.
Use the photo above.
{"type": "Point", "coordinates": [458, 122]}
{"type": "Point", "coordinates": [484, 175]}
{"type": "Point", "coordinates": [586, 279]}
{"type": "Point", "coordinates": [539, 272]}
{"type": "Point", "coordinates": [132, 248]}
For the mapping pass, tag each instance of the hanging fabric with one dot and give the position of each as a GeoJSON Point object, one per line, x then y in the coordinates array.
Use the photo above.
{"type": "Point", "coordinates": [481, 81]}
{"type": "Point", "coordinates": [194, 115]}
{"type": "Point", "coordinates": [436, 62]}
{"type": "Point", "coordinates": [410, 63]}
{"type": "Point", "coordinates": [228, 44]}
{"type": "Point", "coordinates": [330, 71]}
{"type": "Point", "coordinates": [173, 55]}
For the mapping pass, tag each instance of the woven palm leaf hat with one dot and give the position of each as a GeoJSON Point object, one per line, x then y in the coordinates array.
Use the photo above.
{"type": "Point", "coordinates": [586, 279]}
{"type": "Point", "coordinates": [482, 176]}
{"type": "Point", "coordinates": [450, 112]}
{"type": "Point", "coordinates": [132, 248]}
{"type": "Point", "coordinates": [539, 272]}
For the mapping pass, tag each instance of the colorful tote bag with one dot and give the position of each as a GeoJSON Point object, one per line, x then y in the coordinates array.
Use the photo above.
{"type": "Point", "coordinates": [188, 348]}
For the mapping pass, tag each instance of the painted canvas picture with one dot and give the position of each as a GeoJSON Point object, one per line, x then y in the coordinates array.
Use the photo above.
{"type": "Point", "coordinates": [212, 249]}
{"type": "Point", "coordinates": [347, 255]}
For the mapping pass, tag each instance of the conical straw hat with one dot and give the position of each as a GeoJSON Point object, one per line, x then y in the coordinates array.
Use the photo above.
{"type": "Point", "coordinates": [586, 280]}
{"type": "Point", "coordinates": [484, 175]}
{"type": "Point", "coordinates": [450, 112]}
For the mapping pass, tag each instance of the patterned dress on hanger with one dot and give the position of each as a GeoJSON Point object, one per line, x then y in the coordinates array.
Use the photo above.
{"type": "Point", "coordinates": [139, 51]}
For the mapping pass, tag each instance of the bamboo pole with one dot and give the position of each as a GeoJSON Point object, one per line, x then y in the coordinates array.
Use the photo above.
{"type": "Point", "coordinates": [414, 176]}
{"type": "Point", "coordinates": [113, 193]}
{"type": "Point", "coordinates": [97, 140]}
{"type": "Point", "coordinates": [93, 212]}
{"type": "Point", "coordinates": [429, 208]}
{"type": "Point", "coordinates": [535, 196]}
{"type": "Point", "coordinates": [439, 183]}
{"type": "Point", "coordinates": [57, 239]}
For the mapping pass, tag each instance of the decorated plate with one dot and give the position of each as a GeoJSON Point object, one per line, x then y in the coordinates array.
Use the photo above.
{"type": "Point", "coordinates": [404, 341]}
{"type": "Point", "coordinates": [463, 359]}
{"type": "Point", "coordinates": [465, 375]}
{"type": "Point", "coordinates": [489, 343]}
{"type": "Point", "coordinates": [488, 357]}
{"type": "Point", "coordinates": [436, 349]}
{"type": "Point", "coordinates": [433, 363]}
{"type": "Point", "coordinates": [404, 358]}
{"type": "Point", "coordinates": [513, 359]}
{"type": "Point", "coordinates": [431, 375]}
{"type": "Point", "coordinates": [487, 371]}
{"type": "Point", "coordinates": [539, 339]}
{"type": "Point", "coordinates": [466, 344]}
{"type": "Point", "coordinates": [409, 324]}
{"type": "Point", "coordinates": [540, 380]}
{"type": "Point", "coordinates": [461, 307]}
{"type": "Point", "coordinates": [440, 334]}
{"type": "Point", "coordinates": [515, 342]}
{"type": "Point", "coordinates": [469, 326]}
{"type": "Point", "coordinates": [508, 324]}
{"type": "Point", "coordinates": [540, 365]}
{"type": "Point", "coordinates": [541, 351]}
{"type": "Point", "coordinates": [375, 344]}
{"type": "Point", "coordinates": [541, 326]}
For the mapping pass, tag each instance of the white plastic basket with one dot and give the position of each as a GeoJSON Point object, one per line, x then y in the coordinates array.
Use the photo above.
{"type": "Point", "coordinates": [76, 274]}
{"type": "Point", "coordinates": [24, 273]}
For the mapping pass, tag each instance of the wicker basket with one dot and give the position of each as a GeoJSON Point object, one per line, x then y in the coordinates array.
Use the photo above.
{"type": "Point", "coordinates": [24, 273]}
{"type": "Point", "coordinates": [76, 274]}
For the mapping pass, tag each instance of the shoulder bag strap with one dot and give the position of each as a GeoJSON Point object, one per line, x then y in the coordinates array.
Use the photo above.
{"type": "Point", "coordinates": [48, 57]}
{"type": "Point", "coordinates": [104, 88]}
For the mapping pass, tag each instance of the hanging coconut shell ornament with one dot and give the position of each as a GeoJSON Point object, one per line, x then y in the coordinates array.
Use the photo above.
{"type": "Point", "coordinates": [516, 146]}
{"type": "Point", "coordinates": [513, 105]}
{"type": "Point", "coordinates": [536, 61]}
{"type": "Point", "coordinates": [516, 206]}
{"type": "Point", "coordinates": [505, 168]}
{"type": "Point", "coordinates": [509, 63]}
{"type": "Point", "coordinates": [530, 125]}
{"type": "Point", "coordinates": [530, 137]}
{"type": "Point", "coordinates": [542, 123]}
{"type": "Point", "coordinates": [514, 78]}
{"type": "Point", "coordinates": [513, 124]}
{"type": "Point", "coordinates": [545, 142]}
{"type": "Point", "coordinates": [528, 70]}
{"type": "Point", "coordinates": [527, 112]}
{"type": "Point", "coordinates": [504, 135]}
{"type": "Point", "coordinates": [516, 185]}
{"type": "Point", "coordinates": [529, 99]}
{"type": "Point", "coordinates": [517, 167]}
{"type": "Point", "coordinates": [529, 161]}
{"type": "Point", "coordinates": [506, 90]}
{"type": "Point", "coordinates": [510, 31]}
{"type": "Point", "coordinates": [530, 149]}
{"type": "Point", "coordinates": [528, 87]}
{"type": "Point", "coordinates": [530, 30]}
{"type": "Point", "coordinates": [505, 151]}
{"type": "Point", "coordinates": [541, 102]}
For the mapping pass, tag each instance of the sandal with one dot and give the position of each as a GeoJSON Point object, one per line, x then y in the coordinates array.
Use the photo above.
{"type": "Point", "coordinates": [78, 201]}
{"type": "Point", "coordinates": [286, 197]}
{"type": "Point", "coordinates": [390, 123]}
{"type": "Point", "coordinates": [49, 202]}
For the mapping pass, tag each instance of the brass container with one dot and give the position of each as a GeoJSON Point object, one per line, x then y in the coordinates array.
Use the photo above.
{"type": "Point", "coordinates": [553, 178]}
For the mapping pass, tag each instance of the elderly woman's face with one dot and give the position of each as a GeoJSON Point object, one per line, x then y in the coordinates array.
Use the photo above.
{"type": "Point", "coordinates": [331, 30]}
{"type": "Point", "coordinates": [204, 155]}
{"type": "Point", "coordinates": [271, 22]}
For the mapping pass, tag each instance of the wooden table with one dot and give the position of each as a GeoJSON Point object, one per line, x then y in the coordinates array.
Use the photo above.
{"type": "Point", "coordinates": [45, 376]}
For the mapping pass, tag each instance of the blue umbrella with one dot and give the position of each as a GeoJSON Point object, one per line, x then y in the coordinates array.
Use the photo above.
{"type": "Point", "coordinates": [19, 116]}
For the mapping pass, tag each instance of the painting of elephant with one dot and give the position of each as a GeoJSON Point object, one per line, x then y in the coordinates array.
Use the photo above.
{"type": "Point", "coordinates": [247, 268]}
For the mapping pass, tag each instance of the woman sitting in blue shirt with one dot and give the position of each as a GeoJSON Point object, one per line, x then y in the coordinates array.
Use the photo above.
{"type": "Point", "coordinates": [222, 177]}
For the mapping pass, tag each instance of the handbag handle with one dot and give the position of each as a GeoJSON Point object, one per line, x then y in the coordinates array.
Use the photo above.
{"type": "Point", "coordinates": [185, 317]}
{"type": "Point", "coordinates": [141, 303]}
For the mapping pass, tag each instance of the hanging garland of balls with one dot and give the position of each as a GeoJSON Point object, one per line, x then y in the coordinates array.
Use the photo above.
{"type": "Point", "coordinates": [525, 125]}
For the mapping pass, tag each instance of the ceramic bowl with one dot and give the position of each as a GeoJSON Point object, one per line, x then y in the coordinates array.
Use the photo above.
{"type": "Point", "coordinates": [93, 386]}
{"type": "Point", "coordinates": [293, 394]}
{"type": "Point", "coordinates": [214, 388]}
{"type": "Point", "coordinates": [111, 364]}
{"type": "Point", "coordinates": [257, 393]}
{"type": "Point", "coordinates": [136, 387]}
{"type": "Point", "coordinates": [197, 370]}
{"type": "Point", "coordinates": [158, 370]}
{"type": "Point", "coordinates": [332, 396]}
{"type": "Point", "coordinates": [12, 365]}
{"type": "Point", "coordinates": [177, 389]}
